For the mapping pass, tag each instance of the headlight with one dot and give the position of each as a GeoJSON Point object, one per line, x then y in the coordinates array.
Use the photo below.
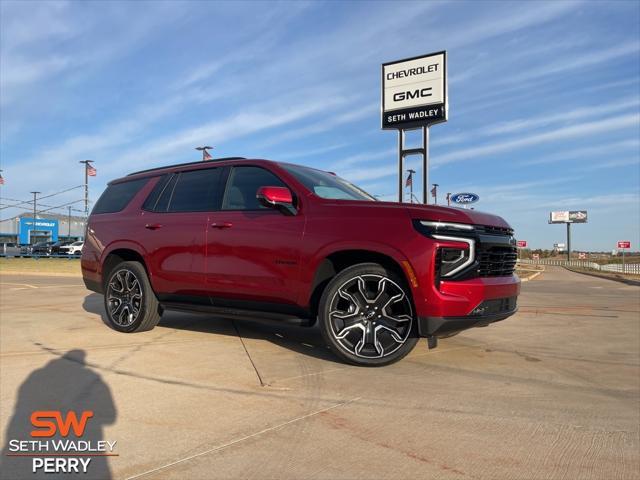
{"type": "Point", "coordinates": [442, 226]}
{"type": "Point", "coordinates": [452, 260]}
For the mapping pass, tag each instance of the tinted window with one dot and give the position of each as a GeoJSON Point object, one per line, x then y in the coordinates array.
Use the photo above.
{"type": "Point", "coordinates": [152, 199]}
{"type": "Point", "coordinates": [327, 185]}
{"type": "Point", "coordinates": [196, 191]}
{"type": "Point", "coordinates": [243, 186]}
{"type": "Point", "coordinates": [117, 196]}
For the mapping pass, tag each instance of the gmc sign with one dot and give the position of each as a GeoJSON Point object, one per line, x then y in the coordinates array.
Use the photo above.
{"type": "Point", "coordinates": [414, 91]}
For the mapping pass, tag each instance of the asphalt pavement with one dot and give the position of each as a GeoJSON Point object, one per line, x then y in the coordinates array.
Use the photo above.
{"type": "Point", "coordinates": [553, 392]}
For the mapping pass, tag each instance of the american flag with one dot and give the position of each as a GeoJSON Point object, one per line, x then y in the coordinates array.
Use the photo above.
{"type": "Point", "coordinates": [1, 180]}
{"type": "Point", "coordinates": [206, 155]}
{"type": "Point", "coordinates": [409, 181]}
{"type": "Point", "coordinates": [91, 170]}
{"type": "Point", "coordinates": [434, 191]}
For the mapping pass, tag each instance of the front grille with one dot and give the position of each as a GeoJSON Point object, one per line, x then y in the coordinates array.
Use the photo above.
{"type": "Point", "coordinates": [497, 261]}
{"type": "Point", "coordinates": [490, 230]}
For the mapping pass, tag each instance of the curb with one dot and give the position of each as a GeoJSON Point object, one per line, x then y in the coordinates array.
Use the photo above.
{"type": "Point", "coordinates": [635, 283]}
{"type": "Point", "coordinates": [535, 275]}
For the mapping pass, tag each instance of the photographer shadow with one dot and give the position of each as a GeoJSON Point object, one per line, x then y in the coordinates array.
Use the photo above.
{"type": "Point", "coordinates": [64, 384]}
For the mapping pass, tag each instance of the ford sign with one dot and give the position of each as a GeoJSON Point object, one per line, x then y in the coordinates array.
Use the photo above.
{"type": "Point", "coordinates": [464, 198]}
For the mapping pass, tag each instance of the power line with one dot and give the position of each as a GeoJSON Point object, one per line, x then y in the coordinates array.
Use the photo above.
{"type": "Point", "coordinates": [40, 198]}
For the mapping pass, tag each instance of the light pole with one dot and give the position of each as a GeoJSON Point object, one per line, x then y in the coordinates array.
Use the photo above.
{"type": "Point", "coordinates": [87, 165]}
{"type": "Point", "coordinates": [205, 155]}
{"type": "Point", "coordinates": [33, 228]}
{"type": "Point", "coordinates": [69, 224]}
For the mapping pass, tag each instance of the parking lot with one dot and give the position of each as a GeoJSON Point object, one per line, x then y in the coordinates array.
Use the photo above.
{"type": "Point", "coordinates": [552, 392]}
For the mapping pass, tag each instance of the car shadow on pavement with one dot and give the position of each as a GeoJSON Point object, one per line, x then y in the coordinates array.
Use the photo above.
{"type": "Point", "coordinates": [302, 340]}
{"type": "Point", "coordinates": [65, 384]}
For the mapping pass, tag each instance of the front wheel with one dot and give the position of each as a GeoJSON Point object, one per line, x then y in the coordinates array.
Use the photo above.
{"type": "Point", "coordinates": [130, 302]}
{"type": "Point", "coordinates": [366, 316]}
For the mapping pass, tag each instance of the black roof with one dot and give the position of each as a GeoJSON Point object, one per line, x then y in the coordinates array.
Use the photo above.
{"type": "Point", "coordinates": [199, 162]}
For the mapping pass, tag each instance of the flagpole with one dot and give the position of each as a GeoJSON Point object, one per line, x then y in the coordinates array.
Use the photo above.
{"type": "Point", "coordinates": [86, 192]}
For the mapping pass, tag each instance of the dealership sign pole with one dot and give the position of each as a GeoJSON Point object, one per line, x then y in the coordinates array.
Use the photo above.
{"type": "Point", "coordinates": [414, 96]}
{"type": "Point", "coordinates": [568, 217]}
{"type": "Point", "coordinates": [623, 245]}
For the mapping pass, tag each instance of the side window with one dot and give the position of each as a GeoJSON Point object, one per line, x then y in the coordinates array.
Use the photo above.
{"type": "Point", "coordinates": [196, 191]}
{"type": "Point", "coordinates": [117, 196]}
{"type": "Point", "coordinates": [243, 185]}
{"type": "Point", "coordinates": [152, 199]}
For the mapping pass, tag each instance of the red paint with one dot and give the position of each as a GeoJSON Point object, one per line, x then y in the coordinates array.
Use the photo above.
{"type": "Point", "coordinates": [267, 255]}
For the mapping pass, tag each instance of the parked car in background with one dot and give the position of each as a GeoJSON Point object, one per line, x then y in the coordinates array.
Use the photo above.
{"type": "Point", "coordinates": [56, 248]}
{"type": "Point", "coordinates": [10, 249]}
{"type": "Point", "coordinates": [74, 248]}
{"type": "Point", "coordinates": [26, 250]}
{"type": "Point", "coordinates": [256, 239]}
{"type": "Point", "coordinates": [41, 248]}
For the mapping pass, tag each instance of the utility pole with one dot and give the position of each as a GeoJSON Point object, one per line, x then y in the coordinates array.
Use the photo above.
{"type": "Point", "coordinates": [205, 155]}
{"type": "Point", "coordinates": [569, 241]}
{"type": "Point", "coordinates": [69, 223]}
{"type": "Point", "coordinates": [33, 228]}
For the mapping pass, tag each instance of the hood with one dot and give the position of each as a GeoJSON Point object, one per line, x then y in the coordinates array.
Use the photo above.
{"type": "Point", "coordinates": [451, 214]}
{"type": "Point", "coordinates": [429, 212]}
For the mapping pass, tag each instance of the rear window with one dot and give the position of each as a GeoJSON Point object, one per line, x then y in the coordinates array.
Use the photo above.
{"type": "Point", "coordinates": [117, 196]}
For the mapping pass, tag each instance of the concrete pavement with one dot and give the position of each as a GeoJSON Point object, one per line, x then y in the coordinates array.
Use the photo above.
{"type": "Point", "coordinates": [553, 392]}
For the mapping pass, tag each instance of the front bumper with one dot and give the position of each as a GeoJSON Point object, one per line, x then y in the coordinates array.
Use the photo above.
{"type": "Point", "coordinates": [487, 312]}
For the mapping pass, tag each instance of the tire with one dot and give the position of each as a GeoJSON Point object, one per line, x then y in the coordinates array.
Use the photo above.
{"type": "Point", "coordinates": [138, 309]}
{"type": "Point", "coordinates": [361, 322]}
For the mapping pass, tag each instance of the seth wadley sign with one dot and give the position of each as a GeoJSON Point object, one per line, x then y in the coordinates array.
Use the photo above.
{"type": "Point", "coordinates": [414, 91]}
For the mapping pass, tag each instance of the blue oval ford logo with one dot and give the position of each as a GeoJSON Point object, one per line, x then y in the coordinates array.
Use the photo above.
{"type": "Point", "coordinates": [465, 198]}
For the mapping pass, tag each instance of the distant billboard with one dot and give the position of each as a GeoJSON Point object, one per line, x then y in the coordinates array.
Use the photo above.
{"type": "Point", "coordinates": [414, 91]}
{"type": "Point", "coordinates": [521, 243]}
{"type": "Point", "coordinates": [624, 244]}
{"type": "Point", "coordinates": [568, 216]}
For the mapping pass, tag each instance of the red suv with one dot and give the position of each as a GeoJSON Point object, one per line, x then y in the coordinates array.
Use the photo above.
{"type": "Point", "coordinates": [258, 239]}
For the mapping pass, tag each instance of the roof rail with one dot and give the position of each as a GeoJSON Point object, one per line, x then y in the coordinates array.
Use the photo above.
{"type": "Point", "coordinates": [199, 162]}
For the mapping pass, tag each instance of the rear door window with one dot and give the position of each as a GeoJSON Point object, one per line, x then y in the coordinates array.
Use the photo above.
{"type": "Point", "coordinates": [196, 191]}
{"type": "Point", "coordinates": [118, 196]}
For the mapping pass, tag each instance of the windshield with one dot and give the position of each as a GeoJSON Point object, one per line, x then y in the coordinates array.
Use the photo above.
{"type": "Point", "coordinates": [327, 185]}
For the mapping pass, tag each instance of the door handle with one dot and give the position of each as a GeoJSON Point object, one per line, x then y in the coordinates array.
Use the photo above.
{"type": "Point", "coordinates": [153, 226]}
{"type": "Point", "coordinates": [222, 225]}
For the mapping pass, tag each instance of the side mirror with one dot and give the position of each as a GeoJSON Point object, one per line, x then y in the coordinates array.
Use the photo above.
{"type": "Point", "coordinates": [279, 198]}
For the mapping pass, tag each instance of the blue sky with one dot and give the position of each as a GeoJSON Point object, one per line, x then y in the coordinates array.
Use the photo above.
{"type": "Point", "coordinates": [544, 98]}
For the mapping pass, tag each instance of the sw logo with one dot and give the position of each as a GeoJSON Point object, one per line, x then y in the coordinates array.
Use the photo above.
{"type": "Point", "coordinates": [50, 422]}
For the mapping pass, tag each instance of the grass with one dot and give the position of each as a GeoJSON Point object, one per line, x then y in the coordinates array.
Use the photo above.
{"type": "Point", "coordinates": [44, 266]}
{"type": "Point", "coordinates": [528, 271]}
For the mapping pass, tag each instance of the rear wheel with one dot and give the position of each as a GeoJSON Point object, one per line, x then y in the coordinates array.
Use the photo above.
{"type": "Point", "coordinates": [366, 316]}
{"type": "Point", "coordinates": [131, 304]}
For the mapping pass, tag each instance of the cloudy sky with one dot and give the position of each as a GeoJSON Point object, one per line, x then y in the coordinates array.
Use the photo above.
{"type": "Point", "coordinates": [544, 98]}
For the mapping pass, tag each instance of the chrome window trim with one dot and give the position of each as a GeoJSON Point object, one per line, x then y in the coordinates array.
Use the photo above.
{"type": "Point", "coordinates": [472, 252]}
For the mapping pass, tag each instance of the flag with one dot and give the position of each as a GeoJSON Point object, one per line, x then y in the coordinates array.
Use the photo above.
{"type": "Point", "coordinates": [1, 180]}
{"type": "Point", "coordinates": [434, 191]}
{"type": "Point", "coordinates": [409, 182]}
{"type": "Point", "coordinates": [206, 155]}
{"type": "Point", "coordinates": [449, 199]}
{"type": "Point", "coordinates": [91, 170]}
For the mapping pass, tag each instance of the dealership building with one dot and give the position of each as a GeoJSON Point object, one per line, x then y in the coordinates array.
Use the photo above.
{"type": "Point", "coordinates": [47, 228]}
